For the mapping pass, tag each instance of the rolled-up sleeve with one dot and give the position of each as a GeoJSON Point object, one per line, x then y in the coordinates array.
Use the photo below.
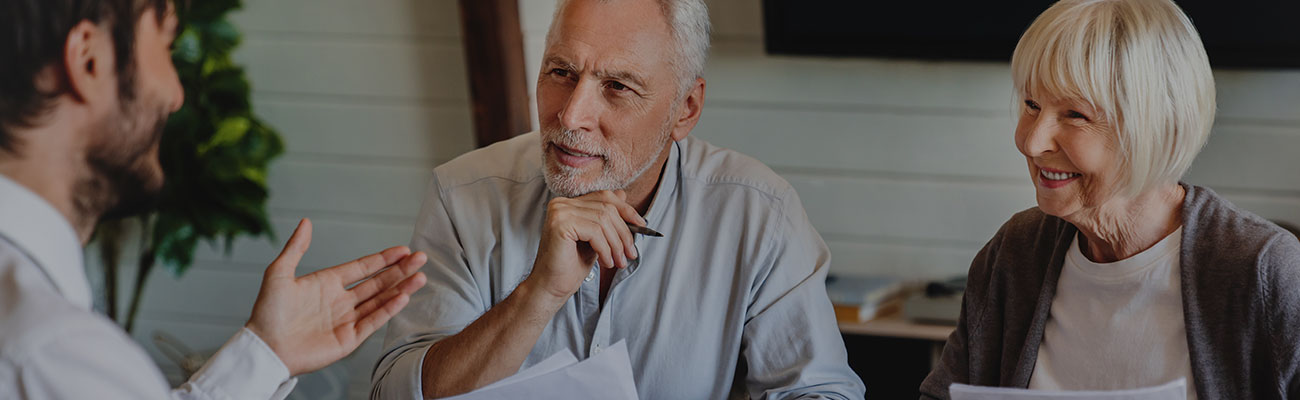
{"type": "Point", "coordinates": [792, 345]}
{"type": "Point", "coordinates": [448, 303]}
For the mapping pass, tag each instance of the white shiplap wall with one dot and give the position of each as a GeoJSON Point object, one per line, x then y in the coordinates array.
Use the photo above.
{"type": "Point", "coordinates": [905, 167]}
{"type": "Point", "coordinates": [908, 167]}
{"type": "Point", "coordinates": [369, 96]}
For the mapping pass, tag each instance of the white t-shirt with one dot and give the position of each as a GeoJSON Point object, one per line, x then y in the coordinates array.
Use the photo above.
{"type": "Point", "coordinates": [1117, 325]}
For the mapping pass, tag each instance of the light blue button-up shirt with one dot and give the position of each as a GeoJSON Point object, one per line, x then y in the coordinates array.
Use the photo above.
{"type": "Point", "coordinates": [730, 303]}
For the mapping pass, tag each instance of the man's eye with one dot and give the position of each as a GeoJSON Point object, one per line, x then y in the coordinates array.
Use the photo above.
{"type": "Point", "coordinates": [1076, 115]}
{"type": "Point", "coordinates": [1031, 104]}
{"type": "Point", "coordinates": [563, 73]}
{"type": "Point", "coordinates": [617, 86]}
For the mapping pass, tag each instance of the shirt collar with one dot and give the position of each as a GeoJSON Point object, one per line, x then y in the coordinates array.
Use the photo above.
{"type": "Point", "coordinates": [660, 203]}
{"type": "Point", "coordinates": [45, 236]}
{"type": "Point", "coordinates": [667, 187]}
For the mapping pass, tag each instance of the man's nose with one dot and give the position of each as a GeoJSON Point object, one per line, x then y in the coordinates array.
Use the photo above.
{"type": "Point", "coordinates": [583, 109]}
{"type": "Point", "coordinates": [177, 95]}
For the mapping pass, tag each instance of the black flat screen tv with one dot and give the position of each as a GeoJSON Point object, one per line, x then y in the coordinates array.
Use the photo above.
{"type": "Point", "coordinates": [1236, 33]}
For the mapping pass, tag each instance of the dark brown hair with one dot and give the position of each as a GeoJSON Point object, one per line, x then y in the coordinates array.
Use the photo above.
{"type": "Point", "coordinates": [32, 37]}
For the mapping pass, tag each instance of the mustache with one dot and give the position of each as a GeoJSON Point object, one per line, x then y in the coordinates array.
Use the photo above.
{"type": "Point", "coordinates": [575, 141]}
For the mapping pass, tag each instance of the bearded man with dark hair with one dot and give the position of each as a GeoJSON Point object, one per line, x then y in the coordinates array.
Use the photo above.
{"type": "Point", "coordinates": [86, 87]}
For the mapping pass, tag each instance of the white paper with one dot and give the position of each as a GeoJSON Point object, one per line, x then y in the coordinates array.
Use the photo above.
{"type": "Point", "coordinates": [607, 375]}
{"type": "Point", "coordinates": [1176, 390]}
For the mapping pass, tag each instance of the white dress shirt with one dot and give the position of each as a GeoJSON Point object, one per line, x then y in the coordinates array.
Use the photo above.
{"type": "Point", "coordinates": [52, 346]}
{"type": "Point", "coordinates": [1116, 325]}
{"type": "Point", "coordinates": [730, 303]}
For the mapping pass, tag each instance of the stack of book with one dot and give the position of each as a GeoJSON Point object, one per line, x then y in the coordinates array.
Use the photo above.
{"type": "Point", "coordinates": [939, 303]}
{"type": "Point", "coordinates": [863, 298]}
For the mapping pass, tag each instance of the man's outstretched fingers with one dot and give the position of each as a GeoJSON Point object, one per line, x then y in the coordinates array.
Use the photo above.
{"type": "Point", "coordinates": [287, 261]}
{"type": "Point", "coordinates": [370, 323]}
{"type": "Point", "coordinates": [363, 267]}
{"type": "Point", "coordinates": [384, 280]}
{"type": "Point", "coordinates": [408, 286]}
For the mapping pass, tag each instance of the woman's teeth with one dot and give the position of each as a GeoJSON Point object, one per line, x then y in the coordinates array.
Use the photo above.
{"type": "Point", "coordinates": [1057, 176]}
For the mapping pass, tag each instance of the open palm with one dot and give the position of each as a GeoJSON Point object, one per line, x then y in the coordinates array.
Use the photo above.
{"type": "Point", "coordinates": [316, 319]}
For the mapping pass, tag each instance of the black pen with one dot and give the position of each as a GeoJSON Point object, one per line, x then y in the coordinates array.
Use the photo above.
{"type": "Point", "coordinates": [643, 230]}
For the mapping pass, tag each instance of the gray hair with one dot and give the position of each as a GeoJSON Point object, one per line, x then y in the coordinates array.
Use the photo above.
{"type": "Point", "coordinates": [688, 22]}
{"type": "Point", "coordinates": [1141, 63]}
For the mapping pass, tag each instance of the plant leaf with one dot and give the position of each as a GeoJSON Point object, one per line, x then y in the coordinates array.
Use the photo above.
{"type": "Point", "coordinates": [230, 130]}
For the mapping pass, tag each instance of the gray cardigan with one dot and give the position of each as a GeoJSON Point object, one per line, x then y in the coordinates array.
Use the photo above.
{"type": "Point", "coordinates": [1241, 303]}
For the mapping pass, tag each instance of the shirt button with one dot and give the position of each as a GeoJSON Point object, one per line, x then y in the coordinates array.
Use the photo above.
{"type": "Point", "coordinates": [596, 350]}
{"type": "Point", "coordinates": [590, 276]}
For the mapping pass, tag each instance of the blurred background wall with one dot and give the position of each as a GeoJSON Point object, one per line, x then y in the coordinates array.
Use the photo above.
{"type": "Point", "coordinates": [905, 167]}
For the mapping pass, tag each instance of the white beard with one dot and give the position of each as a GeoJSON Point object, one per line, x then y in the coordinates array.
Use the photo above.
{"type": "Point", "coordinates": [617, 173]}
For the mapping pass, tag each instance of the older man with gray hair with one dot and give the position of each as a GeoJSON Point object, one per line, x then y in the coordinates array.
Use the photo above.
{"type": "Point", "coordinates": [532, 249]}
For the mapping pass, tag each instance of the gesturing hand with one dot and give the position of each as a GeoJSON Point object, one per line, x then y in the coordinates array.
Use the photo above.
{"type": "Point", "coordinates": [578, 232]}
{"type": "Point", "coordinates": [314, 320]}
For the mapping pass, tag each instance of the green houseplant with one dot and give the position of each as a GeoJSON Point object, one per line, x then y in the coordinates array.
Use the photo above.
{"type": "Point", "coordinates": [215, 153]}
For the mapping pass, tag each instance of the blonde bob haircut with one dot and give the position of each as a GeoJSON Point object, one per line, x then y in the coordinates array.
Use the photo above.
{"type": "Point", "coordinates": [1141, 64]}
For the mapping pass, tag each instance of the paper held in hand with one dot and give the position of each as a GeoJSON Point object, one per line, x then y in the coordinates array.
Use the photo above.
{"type": "Point", "coordinates": [1176, 390]}
{"type": "Point", "coordinates": [607, 375]}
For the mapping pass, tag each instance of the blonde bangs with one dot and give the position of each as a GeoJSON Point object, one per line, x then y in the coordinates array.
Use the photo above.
{"type": "Point", "coordinates": [1058, 58]}
{"type": "Point", "coordinates": [1140, 58]}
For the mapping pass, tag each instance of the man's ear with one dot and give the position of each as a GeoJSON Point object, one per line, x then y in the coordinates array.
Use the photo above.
{"type": "Point", "coordinates": [690, 110]}
{"type": "Point", "coordinates": [88, 63]}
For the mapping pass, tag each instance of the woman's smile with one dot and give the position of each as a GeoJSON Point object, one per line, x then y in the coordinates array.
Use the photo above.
{"type": "Point", "coordinates": [1052, 179]}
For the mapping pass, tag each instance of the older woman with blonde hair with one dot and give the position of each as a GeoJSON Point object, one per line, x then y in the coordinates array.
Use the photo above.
{"type": "Point", "coordinates": [1123, 277]}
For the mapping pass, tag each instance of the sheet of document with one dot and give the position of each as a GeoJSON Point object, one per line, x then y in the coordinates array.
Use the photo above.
{"type": "Point", "coordinates": [607, 375]}
{"type": "Point", "coordinates": [1176, 390]}
{"type": "Point", "coordinates": [551, 364]}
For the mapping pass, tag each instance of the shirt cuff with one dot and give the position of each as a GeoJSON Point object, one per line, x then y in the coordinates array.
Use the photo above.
{"type": "Point", "coordinates": [244, 368]}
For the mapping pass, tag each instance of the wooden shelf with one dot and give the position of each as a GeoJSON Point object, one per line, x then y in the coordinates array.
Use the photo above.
{"type": "Point", "coordinates": [895, 326]}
